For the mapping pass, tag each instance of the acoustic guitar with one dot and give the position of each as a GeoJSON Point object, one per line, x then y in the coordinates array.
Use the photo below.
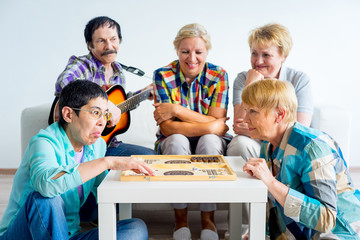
{"type": "Point", "coordinates": [116, 95]}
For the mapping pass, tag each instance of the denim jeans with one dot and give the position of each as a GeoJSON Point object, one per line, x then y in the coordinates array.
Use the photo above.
{"type": "Point", "coordinates": [44, 218]}
{"type": "Point", "coordinates": [126, 149]}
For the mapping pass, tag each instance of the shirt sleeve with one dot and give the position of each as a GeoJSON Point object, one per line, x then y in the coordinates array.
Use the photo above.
{"type": "Point", "coordinates": [220, 96]}
{"type": "Point", "coordinates": [44, 166]}
{"type": "Point", "coordinates": [239, 85]}
{"type": "Point", "coordinates": [74, 70]}
{"type": "Point", "coordinates": [303, 90]}
{"type": "Point", "coordinates": [161, 91]}
{"type": "Point", "coordinates": [316, 206]}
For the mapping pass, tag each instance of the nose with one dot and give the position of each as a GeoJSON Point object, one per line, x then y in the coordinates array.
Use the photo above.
{"type": "Point", "coordinates": [102, 121]}
{"type": "Point", "coordinates": [246, 118]}
{"type": "Point", "coordinates": [192, 56]}
{"type": "Point", "coordinates": [108, 44]}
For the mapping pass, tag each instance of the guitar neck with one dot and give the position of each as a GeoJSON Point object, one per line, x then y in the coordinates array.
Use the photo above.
{"type": "Point", "coordinates": [131, 102]}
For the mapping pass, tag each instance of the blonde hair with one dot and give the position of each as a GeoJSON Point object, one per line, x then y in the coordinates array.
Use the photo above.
{"type": "Point", "coordinates": [192, 30]}
{"type": "Point", "coordinates": [270, 94]}
{"type": "Point", "coordinates": [274, 34]}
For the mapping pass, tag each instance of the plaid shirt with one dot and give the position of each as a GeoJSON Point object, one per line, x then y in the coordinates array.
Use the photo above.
{"type": "Point", "coordinates": [210, 89]}
{"type": "Point", "coordinates": [321, 192]}
{"type": "Point", "coordinates": [88, 68]}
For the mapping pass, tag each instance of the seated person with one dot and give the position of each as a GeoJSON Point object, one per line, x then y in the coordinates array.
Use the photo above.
{"type": "Point", "coordinates": [103, 37]}
{"type": "Point", "coordinates": [191, 98]}
{"type": "Point", "coordinates": [311, 193]}
{"type": "Point", "coordinates": [269, 46]}
{"type": "Point", "coordinates": [62, 165]}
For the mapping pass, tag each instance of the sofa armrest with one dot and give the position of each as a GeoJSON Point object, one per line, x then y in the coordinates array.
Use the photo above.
{"type": "Point", "coordinates": [335, 121]}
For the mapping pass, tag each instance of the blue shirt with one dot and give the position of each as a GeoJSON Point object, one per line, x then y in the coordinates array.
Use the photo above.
{"type": "Point", "coordinates": [321, 201]}
{"type": "Point", "coordinates": [49, 153]}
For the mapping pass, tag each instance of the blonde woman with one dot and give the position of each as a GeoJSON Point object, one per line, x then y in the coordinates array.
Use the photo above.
{"type": "Point", "coordinates": [311, 194]}
{"type": "Point", "coordinates": [191, 98]}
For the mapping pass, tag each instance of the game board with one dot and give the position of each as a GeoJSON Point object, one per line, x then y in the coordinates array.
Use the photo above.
{"type": "Point", "coordinates": [183, 168]}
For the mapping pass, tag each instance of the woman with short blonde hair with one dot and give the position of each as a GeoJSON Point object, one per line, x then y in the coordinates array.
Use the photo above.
{"type": "Point", "coordinates": [270, 95]}
{"type": "Point", "coordinates": [311, 195]}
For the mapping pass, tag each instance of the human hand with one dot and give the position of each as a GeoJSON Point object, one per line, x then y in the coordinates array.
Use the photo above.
{"type": "Point", "coordinates": [115, 114]}
{"type": "Point", "coordinates": [151, 95]}
{"type": "Point", "coordinates": [163, 112]}
{"type": "Point", "coordinates": [240, 127]}
{"type": "Point", "coordinates": [129, 163]}
{"type": "Point", "coordinates": [252, 76]}
{"type": "Point", "coordinates": [257, 167]}
{"type": "Point", "coordinates": [219, 126]}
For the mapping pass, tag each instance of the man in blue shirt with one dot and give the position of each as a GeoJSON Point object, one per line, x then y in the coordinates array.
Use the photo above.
{"type": "Point", "coordinates": [62, 165]}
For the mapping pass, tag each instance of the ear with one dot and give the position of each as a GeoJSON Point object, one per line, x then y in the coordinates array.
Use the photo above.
{"type": "Point", "coordinates": [280, 114]}
{"type": "Point", "coordinates": [89, 46]}
{"type": "Point", "coordinates": [67, 114]}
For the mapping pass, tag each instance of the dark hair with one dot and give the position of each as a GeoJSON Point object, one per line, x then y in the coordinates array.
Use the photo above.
{"type": "Point", "coordinates": [77, 94]}
{"type": "Point", "coordinates": [97, 22]}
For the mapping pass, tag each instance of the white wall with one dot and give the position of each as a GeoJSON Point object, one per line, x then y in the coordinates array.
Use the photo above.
{"type": "Point", "coordinates": [38, 37]}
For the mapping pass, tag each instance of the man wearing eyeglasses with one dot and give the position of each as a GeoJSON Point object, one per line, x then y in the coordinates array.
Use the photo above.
{"type": "Point", "coordinates": [61, 166]}
{"type": "Point", "coordinates": [103, 37]}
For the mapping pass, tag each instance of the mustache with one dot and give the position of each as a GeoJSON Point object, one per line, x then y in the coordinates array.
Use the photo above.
{"type": "Point", "coordinates": [108, 52]}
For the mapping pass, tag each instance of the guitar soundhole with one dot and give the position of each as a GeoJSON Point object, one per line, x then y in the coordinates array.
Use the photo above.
{"type": "Point", "coordinates": [107, 131]}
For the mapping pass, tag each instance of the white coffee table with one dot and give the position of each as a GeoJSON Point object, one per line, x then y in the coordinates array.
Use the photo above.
{"type": "Point", "coordinates": [245, 189]}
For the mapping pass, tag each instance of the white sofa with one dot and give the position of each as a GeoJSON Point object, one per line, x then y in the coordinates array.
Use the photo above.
{"type": "Point", "coordinates": [333, 120]}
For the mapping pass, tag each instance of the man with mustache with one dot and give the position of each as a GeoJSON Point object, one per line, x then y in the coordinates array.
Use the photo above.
{"type": "Point", "coordinates": [103, 37]}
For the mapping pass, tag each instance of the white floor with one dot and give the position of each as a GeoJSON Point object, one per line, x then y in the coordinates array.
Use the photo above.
{"type": "Point", "coordinates": [158, 224]}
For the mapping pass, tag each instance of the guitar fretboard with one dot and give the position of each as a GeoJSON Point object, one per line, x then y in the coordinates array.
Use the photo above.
{"type": "Point", "coordinates": [131, 102]}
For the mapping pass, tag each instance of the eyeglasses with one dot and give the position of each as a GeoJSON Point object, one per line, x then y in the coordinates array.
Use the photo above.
{"type": "Point", "coordinates": [96, 114]}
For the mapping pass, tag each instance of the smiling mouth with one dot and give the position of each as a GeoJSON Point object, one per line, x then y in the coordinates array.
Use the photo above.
{"type": "Point", "coordinates": [193, 65]}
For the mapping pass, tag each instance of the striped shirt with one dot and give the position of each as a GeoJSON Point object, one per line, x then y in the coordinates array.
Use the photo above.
{"type": "Point", "coordinates": [321, 202]}
{"type": "Point", "coordinates": [88, 68]}
{"type": "Point", "coordinates": [209, 89]}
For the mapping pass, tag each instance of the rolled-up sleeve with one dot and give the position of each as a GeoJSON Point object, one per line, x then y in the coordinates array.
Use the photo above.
{"type": "Point", "coordinates": [316, 208]}
{"type": "Point", "coordinates": [45, 164]}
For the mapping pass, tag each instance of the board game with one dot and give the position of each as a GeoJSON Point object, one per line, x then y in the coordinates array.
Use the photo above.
{"type": "Point", "coordinates": [183, 168]}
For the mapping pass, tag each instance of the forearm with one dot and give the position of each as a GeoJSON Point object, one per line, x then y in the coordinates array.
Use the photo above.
{"type": "Point", "coordinates": [188, 129]}
{"type": "Point", "coordinates": [187, 115]}
{"type": "Point", "coordinates": [278, 190]}
{"type": "Point", "coordinates": [91, 169]}
{"type": "Point", "coordinates": [239, 115]}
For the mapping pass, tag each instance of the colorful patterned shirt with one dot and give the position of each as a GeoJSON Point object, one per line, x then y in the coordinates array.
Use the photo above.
{"type": "Point", "coordinates": [321, 202]}
{"type": "Point", "coordinates": [88, 68]}
{"type": "Point", "coordinates": [209, 89]}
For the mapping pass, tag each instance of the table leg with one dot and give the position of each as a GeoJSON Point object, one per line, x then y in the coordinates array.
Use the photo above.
{"type": "Point", "coordinates": [235, 220]}
{"type": "Point", "coordinates": [257, 221]}
{"type": "Point", "coordinates": [125, 211]}
{"type": "Point", "coordinates": [107, 221]}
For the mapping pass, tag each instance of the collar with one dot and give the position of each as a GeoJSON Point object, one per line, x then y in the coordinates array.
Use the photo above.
{"type": "Point", "coordinates": [69, 149]}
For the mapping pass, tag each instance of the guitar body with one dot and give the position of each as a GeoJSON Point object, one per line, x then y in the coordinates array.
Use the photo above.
{"type": "Point", "coordinates": [116, 95]}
